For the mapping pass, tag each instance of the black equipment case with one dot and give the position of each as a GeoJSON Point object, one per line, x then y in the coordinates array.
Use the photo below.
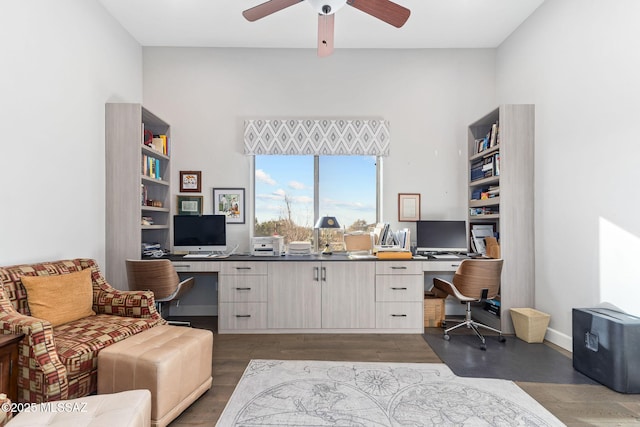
{"type": "Point", "coordinates": [606, 347]}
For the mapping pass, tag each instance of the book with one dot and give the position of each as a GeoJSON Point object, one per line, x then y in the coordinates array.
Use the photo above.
{"type": "Point", "coordinates": [494, 135]}
{"type": "Point", "coordinates": [394, 255]}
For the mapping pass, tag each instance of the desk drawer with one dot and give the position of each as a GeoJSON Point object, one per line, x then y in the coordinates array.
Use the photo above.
{"type": "Point", "coordinates": [448, 265]}
{"type": "Point", "coordinates": [242, 316]}
{"type": "Point", "coordinates": [399, 315]}
{"type": "Point", "coordinates": [398, 267]}
{"type": "Point", "coordinates": [242, 288]}
{"type": "Point", "coordinates": [399, 288]}
{"type": "Point", "coordinates": [244, 267]}
{"type": "Point", "coordinates": [196, 266]}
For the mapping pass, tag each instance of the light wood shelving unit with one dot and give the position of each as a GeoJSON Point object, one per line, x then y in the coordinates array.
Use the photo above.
{"type": "Point", "coordinates": [513, 209]}
{"type": "Point", "coordinates": [124, 130]}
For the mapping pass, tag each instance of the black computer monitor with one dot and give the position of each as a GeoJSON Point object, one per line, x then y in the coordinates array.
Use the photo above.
{"type": "Point", "coordinates": [441, 236]}
{"type": "Point", "coordinates": [197, 234]}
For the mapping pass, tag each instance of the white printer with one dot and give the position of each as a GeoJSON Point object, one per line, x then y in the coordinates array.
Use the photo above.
{"type": "Point", "coordinates": [267, 246]}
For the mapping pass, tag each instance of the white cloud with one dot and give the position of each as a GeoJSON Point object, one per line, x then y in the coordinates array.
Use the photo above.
{"type": "Point", "coordinates": [264, 177]}
{"type": "Point", "coordinates": [296, 185]}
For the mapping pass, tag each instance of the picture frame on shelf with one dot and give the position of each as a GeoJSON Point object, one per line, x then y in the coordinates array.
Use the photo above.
{"type": "Point", "coordinates": [408, 207]}
{"type": "Point", "coordinates": [229, 202]}
{"type": "Point", "coordinates": [189, 205]}
{"type": "Point", "coordinates": [190, 181]}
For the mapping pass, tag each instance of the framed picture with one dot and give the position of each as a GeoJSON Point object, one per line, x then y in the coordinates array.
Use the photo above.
{"type": "Point", "coordinates": [190, 181]}
{"type": "Point", "coordinates": [408, 207]}
{"type": "Point", "coordinates": [229, 202]}
{"type": "Point", "coordinates": [189, 205]}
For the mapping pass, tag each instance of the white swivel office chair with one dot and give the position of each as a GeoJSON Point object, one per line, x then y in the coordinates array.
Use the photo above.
{"type": "Point", "coordinates": [475, 280]}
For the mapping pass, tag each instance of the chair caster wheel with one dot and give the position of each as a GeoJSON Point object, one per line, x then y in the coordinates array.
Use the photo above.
{"type": "Point", "coordinates": [483, 347]}
{"type": "Point", "coordinates": [502, 339]}
{"type": "Point", "coordinates": [446, 337]}
{"type": "Point", "coordinates": [443, 324]}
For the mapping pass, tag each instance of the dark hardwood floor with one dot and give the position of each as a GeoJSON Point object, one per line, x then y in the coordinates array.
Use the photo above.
{"type": "Point", "coordinates": [575, 405]}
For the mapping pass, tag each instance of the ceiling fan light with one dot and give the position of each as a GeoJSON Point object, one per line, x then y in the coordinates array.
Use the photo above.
{"type": "Point", "coordinates": [330, 6]}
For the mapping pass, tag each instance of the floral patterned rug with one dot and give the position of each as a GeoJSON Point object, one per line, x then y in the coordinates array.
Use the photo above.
{"type": "Point", "coordinates": [317, 393]}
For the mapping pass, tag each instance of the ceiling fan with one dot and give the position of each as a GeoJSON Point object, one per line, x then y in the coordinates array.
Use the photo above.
{"type": "Point", "coordinates": [385, 10]}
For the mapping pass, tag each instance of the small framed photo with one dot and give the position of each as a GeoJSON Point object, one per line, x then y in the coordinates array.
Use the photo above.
{"type": "Point", "coordinates": [229, 202]}
{"type": "Point", "coordinates": [190, 181]}
{"type": "Point", "coordinates": [189, 205]}
{"type": "Point", "coordinates": [408, 207]}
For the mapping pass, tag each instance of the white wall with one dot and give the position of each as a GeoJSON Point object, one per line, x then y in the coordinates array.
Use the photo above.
{"type": "Point", "coordinates": [428, 96]}
{"type": "Point", "coordinates": [61, 61]}
{"type": "Point", "coordinates": [578, 61]}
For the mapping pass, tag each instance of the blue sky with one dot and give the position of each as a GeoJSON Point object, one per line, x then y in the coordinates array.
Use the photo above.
{"type": "Point", "coordinates": [347, 188]}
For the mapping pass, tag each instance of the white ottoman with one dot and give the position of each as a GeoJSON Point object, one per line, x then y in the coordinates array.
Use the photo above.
{"type": "Point", "coordinates": [127, 409]}
{"type": "Point", "coordinates": [172, 362]}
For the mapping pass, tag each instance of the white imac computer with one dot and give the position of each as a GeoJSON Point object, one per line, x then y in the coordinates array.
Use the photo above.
{"type": "Point", "coordinates": [201, 235]}
{"type": "Point", "coordinates": [433, 237]}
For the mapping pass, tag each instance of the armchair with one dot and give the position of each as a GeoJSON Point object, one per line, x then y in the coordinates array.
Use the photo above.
{"type": "Point", "coordinates": [60, 362]}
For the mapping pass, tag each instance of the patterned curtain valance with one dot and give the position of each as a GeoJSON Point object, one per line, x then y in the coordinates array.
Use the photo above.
{"type": "Point", "coordinates": [317, 137]}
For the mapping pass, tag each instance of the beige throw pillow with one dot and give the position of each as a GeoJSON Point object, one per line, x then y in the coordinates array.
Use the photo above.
{"type": "Point", "coordinates": [62, 298]}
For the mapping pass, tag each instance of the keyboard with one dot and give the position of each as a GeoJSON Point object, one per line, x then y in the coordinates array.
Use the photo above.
{"type": "Point", "coordinates": [196, 256]}
{"type": "Point", "coordinates": [446, 256]}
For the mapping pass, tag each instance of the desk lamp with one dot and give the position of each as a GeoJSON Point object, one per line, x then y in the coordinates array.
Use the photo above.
{"type": "Point", "coordinates": [327, 222]}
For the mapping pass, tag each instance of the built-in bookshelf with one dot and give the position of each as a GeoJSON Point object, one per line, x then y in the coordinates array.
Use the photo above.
{"type": "Point", "coordinates": [138, 190]}
{"type": "Point", "coordinates": [501, 159]}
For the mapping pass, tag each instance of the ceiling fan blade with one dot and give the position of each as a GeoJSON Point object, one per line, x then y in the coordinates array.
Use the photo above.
{"type": "Point", "coordinates": [384, 10]}
{"type": "Point", "coordinates": [325, 34]}
{"type": "Point", "coordinates": [267, 8]}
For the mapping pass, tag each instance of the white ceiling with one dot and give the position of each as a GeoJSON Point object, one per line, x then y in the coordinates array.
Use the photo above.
{"type": "Point", "coordinates": [219, 23]}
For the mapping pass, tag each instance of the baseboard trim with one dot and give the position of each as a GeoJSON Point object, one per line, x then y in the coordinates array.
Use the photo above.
{"type": "Point", "coordinates": [559, 339]}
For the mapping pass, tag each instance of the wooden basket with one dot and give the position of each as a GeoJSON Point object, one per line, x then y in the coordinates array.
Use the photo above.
{"type": "Point", "coordinates": [530, 325]}
{"type": "Point", "coordinates": [433, 311]}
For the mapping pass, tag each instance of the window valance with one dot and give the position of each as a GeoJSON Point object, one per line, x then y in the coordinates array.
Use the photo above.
{"type": "Point", "coordinates": [317, 137]}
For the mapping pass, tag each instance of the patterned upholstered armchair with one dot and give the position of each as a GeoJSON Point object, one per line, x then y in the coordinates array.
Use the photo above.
{"type": "Point", "coordinates": [61, 362]}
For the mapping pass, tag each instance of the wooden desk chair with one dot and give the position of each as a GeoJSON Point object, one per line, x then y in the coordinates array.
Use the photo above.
{"type": "Point", "coordinates": [475, 280]}
{"type": "Point", "coordinates": [160, 277]}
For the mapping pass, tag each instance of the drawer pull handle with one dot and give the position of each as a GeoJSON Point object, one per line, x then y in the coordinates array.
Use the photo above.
{"type": "Point", "coordinates": [243, 289]}
{"type": "Point", "coordinates": [243, 268]}
{"type": "Point", "coordinates": [398, 315]}
{"type": "Point", "coordinates": [243, 315]}
{"type": "Point", "coordinates": [399, 289]}
{"type": "Point", "coordinates": [398, 268]}
{"type": "Point", "coordinates": [182, 265]}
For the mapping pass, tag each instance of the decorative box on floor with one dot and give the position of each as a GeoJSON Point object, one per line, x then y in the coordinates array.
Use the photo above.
{"type": "Point", "coordinates": [606, 345]}
{"type": "Point", "coordinates": [433, 310]}
{"type": "Point", "coordinates": [530, 325]}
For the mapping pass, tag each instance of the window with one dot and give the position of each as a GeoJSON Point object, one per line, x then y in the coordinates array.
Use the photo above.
{"type": "Point", "coordinates": [286, 189]}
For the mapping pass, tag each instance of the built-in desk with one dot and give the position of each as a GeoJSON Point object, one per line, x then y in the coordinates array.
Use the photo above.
{"type": "Point", "coordinates": [318, 293]}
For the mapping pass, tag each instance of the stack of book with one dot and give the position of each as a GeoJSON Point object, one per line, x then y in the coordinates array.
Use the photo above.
{"type": "Point", "coordinates": [486, 167]}
{"type": "Point", "coordinates": [492, 306]}
{"type": "Point", "coordinates": [490, 140]}
{"type": "Point", "coordinates": [392, 252]}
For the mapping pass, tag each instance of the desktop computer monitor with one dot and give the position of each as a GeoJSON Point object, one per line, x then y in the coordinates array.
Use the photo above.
{"type": "Point", "coordinates": [441, 236]}
{"type": "Point", "coordinates": [199, 234]}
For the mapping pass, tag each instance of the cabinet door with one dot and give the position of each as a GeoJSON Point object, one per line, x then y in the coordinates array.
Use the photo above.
{"type": "Point", "coordinates": [348, 294]}
{"type": "Point", "coordinates": [294, 295]}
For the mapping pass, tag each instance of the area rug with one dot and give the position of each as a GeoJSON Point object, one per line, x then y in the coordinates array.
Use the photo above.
{"type": "Point", "coordinates": [513, 360]}
{"type": "Point", "coordinates": [319, 393]}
